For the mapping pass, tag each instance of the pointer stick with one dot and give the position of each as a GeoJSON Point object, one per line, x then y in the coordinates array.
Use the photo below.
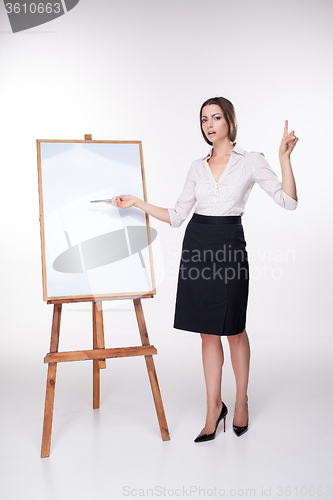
{"type": "Point", "coordinates": [100, 201]}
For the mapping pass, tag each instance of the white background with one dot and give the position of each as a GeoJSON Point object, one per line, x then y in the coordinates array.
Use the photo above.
{"type": "Point", "coordinates": [140, 70]}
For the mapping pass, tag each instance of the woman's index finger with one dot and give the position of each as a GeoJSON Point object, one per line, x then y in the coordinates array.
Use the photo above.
{"type": "Point", "coordinates": [286, 127]}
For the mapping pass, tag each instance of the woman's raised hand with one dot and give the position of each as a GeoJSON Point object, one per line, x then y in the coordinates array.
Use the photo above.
{"type": "Point", "coordinates": [288, 141]}
{"type": "Point", "coordinates": [123, 201]}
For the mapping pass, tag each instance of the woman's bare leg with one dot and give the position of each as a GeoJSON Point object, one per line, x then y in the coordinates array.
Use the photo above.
{"type": "Point", "coordinates": [212, 359]}
{"type": "Point", "coordinates": [240, 359]}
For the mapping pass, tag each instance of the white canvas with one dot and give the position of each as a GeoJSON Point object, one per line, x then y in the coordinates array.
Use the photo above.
{"type": "Point", "coordinates": [92, 248]}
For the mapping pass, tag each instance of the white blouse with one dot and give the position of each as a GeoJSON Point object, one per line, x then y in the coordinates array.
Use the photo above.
{"type": "Point", "coordinates": [229, 195]}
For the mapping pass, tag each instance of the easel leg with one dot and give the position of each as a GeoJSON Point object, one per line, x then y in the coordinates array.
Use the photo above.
{"type": "Point", "coordinates": [50, 385]}
{"type": "Point", "coordinates": [151, 372]}
{"type": "Point", "coordinates": [96, 384]}
{"type": "Point", "coordinates": [98, 343]}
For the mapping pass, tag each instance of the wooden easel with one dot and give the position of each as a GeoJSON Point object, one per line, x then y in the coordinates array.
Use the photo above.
{"type": "Point", "coordinates": [98, 354]}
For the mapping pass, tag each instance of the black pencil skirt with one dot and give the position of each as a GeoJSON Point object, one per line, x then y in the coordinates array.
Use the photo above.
{"type": "Point", "coordinates": [213, 280]}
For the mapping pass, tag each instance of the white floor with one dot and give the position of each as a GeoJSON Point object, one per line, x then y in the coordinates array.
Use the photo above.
{"type": "Point", "coordinates": [117, 451]}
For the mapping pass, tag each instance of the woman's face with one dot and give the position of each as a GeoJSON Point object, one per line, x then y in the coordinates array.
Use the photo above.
{"type": "Point", "coordinates": [214, 124]}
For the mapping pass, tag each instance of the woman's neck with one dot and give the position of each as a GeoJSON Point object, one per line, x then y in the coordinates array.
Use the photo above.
{"type": "Point", "coordinates": [222, 148]}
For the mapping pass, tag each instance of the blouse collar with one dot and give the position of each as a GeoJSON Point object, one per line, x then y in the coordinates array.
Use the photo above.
{"type": "Point", "coordinates": [236, 149]}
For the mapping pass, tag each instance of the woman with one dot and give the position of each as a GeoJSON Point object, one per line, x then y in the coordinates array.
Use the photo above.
{"type": "Point", "coordinates": [213, 279]}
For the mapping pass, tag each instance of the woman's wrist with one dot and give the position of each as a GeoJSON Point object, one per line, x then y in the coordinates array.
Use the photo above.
{"type": "Point", "coordinates": [136, 202]}
{"type": "Point", "coordinates": [284, 159]}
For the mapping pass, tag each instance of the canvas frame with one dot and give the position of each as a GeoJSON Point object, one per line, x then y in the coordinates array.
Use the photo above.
{"type": "Point", "coordinates": [44, 192]}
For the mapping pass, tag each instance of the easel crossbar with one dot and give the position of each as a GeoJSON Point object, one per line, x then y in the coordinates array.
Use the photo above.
{"type": "Point", "coordinates": [116, 352]}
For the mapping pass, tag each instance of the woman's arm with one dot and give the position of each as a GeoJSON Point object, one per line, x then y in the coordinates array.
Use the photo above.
{"type": "Point", "coordinates": [127, 201]}
{"type": "Point", "coordinates": [173, 216]}
{"type": "Point", "coordinates": [288, 143]}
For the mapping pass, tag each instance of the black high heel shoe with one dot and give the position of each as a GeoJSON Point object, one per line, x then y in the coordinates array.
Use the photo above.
{"type": "Point", "coordinates": [239, 431]}
{"type": "Point", "coordinates": [208, 437]}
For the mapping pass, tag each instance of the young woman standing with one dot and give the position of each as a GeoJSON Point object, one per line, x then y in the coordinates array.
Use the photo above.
{"type": "Point", "coordinates": [213, 280]}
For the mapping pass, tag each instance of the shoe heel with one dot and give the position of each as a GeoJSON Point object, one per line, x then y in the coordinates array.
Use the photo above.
{"type": "Point", "coordinates": [224, 424]}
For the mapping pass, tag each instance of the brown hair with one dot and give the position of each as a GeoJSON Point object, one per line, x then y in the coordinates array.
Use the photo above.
{"type": "Point", "coordinates": [228, 112]}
